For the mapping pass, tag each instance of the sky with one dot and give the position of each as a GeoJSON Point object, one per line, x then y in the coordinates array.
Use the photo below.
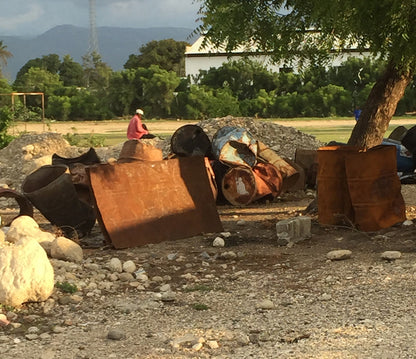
{"type": "Point", "coordinates": [34, 17]}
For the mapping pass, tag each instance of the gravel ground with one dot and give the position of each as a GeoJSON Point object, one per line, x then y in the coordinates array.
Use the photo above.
{"type": "Point", "coordinates": [249, 299]}
{"type": "Point", "coordinates": [252, 298]}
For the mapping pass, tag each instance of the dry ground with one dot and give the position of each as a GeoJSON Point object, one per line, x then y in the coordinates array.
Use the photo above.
{"type": "Point", "coordinates": [103, 127]}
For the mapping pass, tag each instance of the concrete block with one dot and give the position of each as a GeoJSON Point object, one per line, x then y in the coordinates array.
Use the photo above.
{"type": "Point", "coordinates": [294, 229]}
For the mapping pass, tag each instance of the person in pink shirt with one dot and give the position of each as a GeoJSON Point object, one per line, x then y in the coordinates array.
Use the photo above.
{"type": "Point", "coordinates": [136, 129]}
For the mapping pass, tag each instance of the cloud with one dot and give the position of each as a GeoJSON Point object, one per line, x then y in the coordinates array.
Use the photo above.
{"type": "Point", "coordinates": [23, 15]}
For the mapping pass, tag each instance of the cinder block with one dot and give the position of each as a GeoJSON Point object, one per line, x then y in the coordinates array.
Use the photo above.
{"type": "Point", "coordinates": [294, 229]}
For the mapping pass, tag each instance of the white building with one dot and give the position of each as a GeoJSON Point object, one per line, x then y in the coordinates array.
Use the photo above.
{"type": "Point", "coordinates": [203, 58]}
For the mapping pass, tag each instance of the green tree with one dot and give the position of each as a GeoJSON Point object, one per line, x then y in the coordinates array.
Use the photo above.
{"type": "Point", "coordinates": [39, 80]}
{"type": "Point", "coordinates": [168, 54]}
{"type": "Point", "coordinates": [384, 28]}
{"type": "Point", "coordinates": [4, 56]}
{"type": "Point", "coordinates": [245, 78]}
{"type": "Point", "coordinates": [5, 88]}
{"type": "Point", "coordinates": [159, 90]}
{"type": "Point", "coordinates": [96, 72]}
{"type": "Point", "coordinates": [71, 73]}
{"type": "Point", "coordinates": [50, 63]}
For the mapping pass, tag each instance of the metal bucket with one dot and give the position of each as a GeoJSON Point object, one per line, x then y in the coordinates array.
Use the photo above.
{"type": "Point", "coordinates": [52, 192]}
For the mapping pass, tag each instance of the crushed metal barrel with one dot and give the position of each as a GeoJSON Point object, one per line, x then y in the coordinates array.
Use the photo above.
{"type": "Point", "coordinates": [149, 202]}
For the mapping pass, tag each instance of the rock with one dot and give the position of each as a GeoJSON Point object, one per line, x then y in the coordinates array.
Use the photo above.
{"type": "Point", "coordinates": [23, 226]}
{"type": "Point", "coordinates": [3, 320]}
{"type": "Point", "coordinates": [67, 250]}
{"type": "Point", "coordinates": [218, 242]}
{"type": "Point", "coordinates": [26, 226]}
{"type": "Point", "coordinates": [115, 334]}
{"type": "Point", "coordinates": [188, 340]}
{"type": "Point", "coordinates": [265, 304]}
{"type": "Point", "coordinates": [115, 265]}
{"type": "Point", "coordinates": [391, 255]}
{"type": "Point", "coordinates": [25, 273]}
{"type": "Point", "coordinates": [129, 267]}
{"type": "Point", "coordinates": [126, 277]}
{"type": "Point", "coordinates": [213, 344]}
{"type": "Point", "coordinates": [339, 254]}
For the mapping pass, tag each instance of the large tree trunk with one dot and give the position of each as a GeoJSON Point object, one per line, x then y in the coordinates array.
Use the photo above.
{"type": "Point", "coordinates": [380, 107]}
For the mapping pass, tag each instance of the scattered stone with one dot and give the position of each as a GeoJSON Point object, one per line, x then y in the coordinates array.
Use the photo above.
{"type": "Point", "coordinates": [129, 267]}
{"type": "Point", "coordinates": [168, 296]}
{"type": "Point", "coordinates": [115, 265]}
{"type": "Point", "coordinates": [126, 277]}
{"type": "Point", "coordinates": [407, 222]}
{"type": "Point", "coordinates": [265, 304]}
{"type": "Point", "coordinates": [115, 334]}
{"type": "Point", "coordinates": [339, 254]}
{"type": "Point", "coordinates": [218, 242]}
{"type": "Point", "coordinates": [212, 344]}
{"type": "Point", "coordinates": [188, 340]}
{"type": "Point", "coordinates": [66, 249]}
{"type": "Point", "coordinates": [228, 255]}
{"type": "Point", "coordinates": [391, 255]}
{"type": "Point", "coordinates": [3, 320]}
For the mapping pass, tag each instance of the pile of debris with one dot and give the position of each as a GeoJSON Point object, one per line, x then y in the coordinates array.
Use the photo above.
{"type": "Point", "coordinates": [281, 139]}
{"type": "Point", "coordinates": [30, 151]}
{"type": "Point", "coordinates": [73, 186]}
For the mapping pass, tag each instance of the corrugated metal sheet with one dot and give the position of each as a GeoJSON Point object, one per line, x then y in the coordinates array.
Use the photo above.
{"type": "Point", "coordinates": [150, 202]}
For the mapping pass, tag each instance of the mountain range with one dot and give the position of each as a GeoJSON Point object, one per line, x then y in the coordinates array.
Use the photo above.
{"type": "Point", "coordinates": [115, 44]}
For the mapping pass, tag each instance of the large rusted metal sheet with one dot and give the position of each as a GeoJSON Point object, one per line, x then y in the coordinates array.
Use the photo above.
{"type": "Point", "coordinates": [149, 202]}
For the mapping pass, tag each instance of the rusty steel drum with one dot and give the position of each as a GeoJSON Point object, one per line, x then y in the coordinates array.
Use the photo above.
{"type": "Point", "coordinates": [235, 146]}
{"type": "Point", "coordinates": [334, 201]}
{"type": "Point", "coordinates": [375, 188]}
{"type": "Point", "coordinates": [51, 191]}
{"type": "Point", "coordinates": [243, 185]}
{"type": "Point", "coordinates": [191, 140]}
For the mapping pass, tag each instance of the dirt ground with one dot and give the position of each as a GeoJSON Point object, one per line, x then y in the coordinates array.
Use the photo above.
{"type": "Point", "coordinates": [103, 127]}
{"type": "Point", "coordinates": [252, 298]}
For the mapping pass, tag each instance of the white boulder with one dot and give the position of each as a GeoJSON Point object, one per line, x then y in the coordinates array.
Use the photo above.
{"type": "Point", "coordinates": [26, 275]}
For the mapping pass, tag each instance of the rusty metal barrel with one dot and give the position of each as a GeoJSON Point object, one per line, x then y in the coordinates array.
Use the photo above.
{"type": "Point", "coordinates": [191, 140]}
{"type": "Point", "coordinates": [51, 191]}
{"type": "Point", "coordinates": [235, 146]}
{"type": "Point", "coordinates": [375, 188]}
{"type": "Point", "coordinates": [242, 185]}
{"type": "Point", "coordinates": [289, 174]}
{"type": "Point", "coordinates": [334, 202]}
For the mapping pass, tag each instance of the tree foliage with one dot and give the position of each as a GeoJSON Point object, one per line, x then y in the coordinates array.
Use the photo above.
{"type": "Point", "coordinates": [167, 54]}
{"type": "Point", "coordinates": [311, 31]}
